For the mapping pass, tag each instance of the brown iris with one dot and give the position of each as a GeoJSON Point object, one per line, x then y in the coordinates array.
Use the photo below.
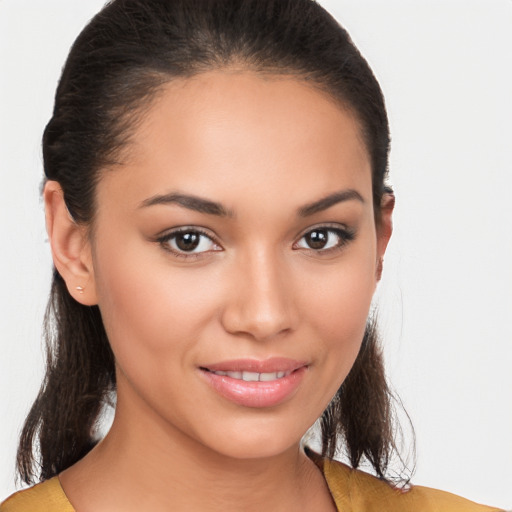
{"type": "Point", "coordinates": [317, 239]}
{"type": "Point", "coordinates": [187, 241]}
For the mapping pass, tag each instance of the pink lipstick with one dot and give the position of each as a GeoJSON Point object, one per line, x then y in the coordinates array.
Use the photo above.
{"type": "Point", "coordinates": [253, 383]}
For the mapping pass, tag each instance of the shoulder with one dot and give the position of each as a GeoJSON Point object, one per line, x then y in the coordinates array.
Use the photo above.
{"type": "Point", "coordinates": [357, 491]}
{"type": "Point", "coordinates": [47, 496]}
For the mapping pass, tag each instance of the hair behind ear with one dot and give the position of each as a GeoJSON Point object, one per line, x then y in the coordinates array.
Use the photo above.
{"type": "Point", "coordinates": [80, 372]}
{"type": "Point", "coordinates": [361, 413]}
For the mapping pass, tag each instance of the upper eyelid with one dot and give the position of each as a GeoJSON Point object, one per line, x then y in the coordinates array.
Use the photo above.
{"type": "Point", "coordinates": [346, 233]}
{"type": "Point", "coordinates": [332, 226]}
{"type": "Point", "coordinates": [168, 233]}
{"type": "Point", "coordinates": [329, 226]}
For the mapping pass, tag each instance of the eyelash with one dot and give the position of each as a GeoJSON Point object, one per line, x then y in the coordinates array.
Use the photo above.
{"type": "Point", "coordinates": [344, 235]}
{"type": "Point", "coordinates": [168, 237]}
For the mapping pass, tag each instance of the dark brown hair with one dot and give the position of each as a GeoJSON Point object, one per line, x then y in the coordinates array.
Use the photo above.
{"type": "Point", "coordinates": [115, 68]}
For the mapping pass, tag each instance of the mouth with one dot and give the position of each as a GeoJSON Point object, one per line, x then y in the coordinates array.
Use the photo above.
{"type": "Point", "coordinates": [256, 384]}
{"type": "Point", "coordinates": [247, 376]}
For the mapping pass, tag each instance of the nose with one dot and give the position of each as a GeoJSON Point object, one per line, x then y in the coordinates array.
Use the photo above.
{"type": "Point", "coordinates": [261, 299]}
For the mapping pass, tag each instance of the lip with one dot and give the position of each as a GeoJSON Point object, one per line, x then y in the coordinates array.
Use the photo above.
{"type": "Point", "coordinates": [274, 364]}
{"type": "Point", "coordinates": [256, 394]}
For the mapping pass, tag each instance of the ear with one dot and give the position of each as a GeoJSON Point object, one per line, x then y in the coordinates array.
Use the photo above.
{"type": "Point", "coordinates": [70, 246]}
{"type": "Point", "coordinates": [384, 228]}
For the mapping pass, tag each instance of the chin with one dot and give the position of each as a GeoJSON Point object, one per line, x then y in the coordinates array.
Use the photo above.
{"type": "Point", "coordinates": [257, 440]}
{"type": "Point", "coordinates": [262, 448]}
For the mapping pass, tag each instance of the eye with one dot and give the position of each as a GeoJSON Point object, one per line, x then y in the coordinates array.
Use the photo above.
{"type": "Point", "coordinates": [324, 238]}
{"type": "Point", "coordinates": [188, 242]}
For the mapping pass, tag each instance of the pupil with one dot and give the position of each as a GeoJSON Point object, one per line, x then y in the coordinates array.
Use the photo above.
{"type": "Point", "coordinates": [187, 241]}
{"type": "Point", "coordinates": [317, 239]}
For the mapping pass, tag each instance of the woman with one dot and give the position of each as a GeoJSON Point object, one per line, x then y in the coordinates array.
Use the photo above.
{"type": "Point", "coordinates": [218, 217]}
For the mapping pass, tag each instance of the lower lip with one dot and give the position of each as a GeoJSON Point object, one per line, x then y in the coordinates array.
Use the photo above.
{"type": "Point", "coordinates": [256, 394]}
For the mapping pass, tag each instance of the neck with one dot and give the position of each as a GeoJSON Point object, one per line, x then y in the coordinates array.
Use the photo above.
{"type": "Point", "coordinates": [150, 465]}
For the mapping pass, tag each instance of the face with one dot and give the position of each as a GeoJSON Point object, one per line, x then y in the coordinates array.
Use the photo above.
{"type": "Point", "coordinates": [234, 260]}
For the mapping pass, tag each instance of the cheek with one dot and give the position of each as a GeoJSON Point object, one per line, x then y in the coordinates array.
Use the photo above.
{"type": "Point", "coordinates": [342, 305]}
{"type": "Point", "coordinates": [339, 300]}
{"type": "Point", "coordinates": [149, 309]}
{"type": "Point", "coordinates": [338, 310]}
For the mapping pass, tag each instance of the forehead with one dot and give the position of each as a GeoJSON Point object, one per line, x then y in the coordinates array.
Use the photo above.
{"type": "Point", "coordinates": [222, 133]}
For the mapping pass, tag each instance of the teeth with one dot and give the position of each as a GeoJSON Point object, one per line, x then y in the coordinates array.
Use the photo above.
{"type": "Point", "coordinates": [253, 376]}
{"type": "Point", "coordinates": [265, 377]}
{"type": "Point", "coordinates": [250, 376]}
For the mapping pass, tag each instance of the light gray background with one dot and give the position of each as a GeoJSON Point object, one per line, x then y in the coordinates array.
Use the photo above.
{"type": "Point", "coordinates": [446, 297]}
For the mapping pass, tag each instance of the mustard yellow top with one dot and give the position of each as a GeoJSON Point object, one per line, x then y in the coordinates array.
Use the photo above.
{"type": "Point", "coordinates": [47, 496]}
{"type": "Point", "coordinates": [352, 491]}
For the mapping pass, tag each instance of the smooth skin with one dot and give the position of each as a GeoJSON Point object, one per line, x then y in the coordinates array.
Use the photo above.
{"type": "Point", "coordinates": [274, 273]}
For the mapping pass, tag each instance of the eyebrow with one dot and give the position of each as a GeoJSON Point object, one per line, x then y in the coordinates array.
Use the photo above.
{"type": "Point", "coordinates": [209, 207]}
{"type": "Point", "coordinates": [195, 203]}
{"type": "Point", "coordinates": [328, 201]}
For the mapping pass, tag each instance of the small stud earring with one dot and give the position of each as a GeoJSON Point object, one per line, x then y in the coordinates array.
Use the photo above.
{"type": "Point", "coordinates": [80, 289]}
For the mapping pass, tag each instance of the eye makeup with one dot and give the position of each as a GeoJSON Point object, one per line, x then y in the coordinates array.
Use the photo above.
{"type": "Point", "coordinates": [194, 242]}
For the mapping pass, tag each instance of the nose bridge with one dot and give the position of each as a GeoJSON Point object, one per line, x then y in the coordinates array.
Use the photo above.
{"type": "Point", "coordinates": [262, 302]}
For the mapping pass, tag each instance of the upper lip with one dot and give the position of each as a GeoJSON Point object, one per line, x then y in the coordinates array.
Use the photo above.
{"type": "Point", "coordinates": [271, 365]}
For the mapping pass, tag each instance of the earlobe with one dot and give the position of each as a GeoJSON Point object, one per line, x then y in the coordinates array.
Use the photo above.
{"type": "Point", "coordinates": [70, 246]}
{"type": "Point", "coordinates": [384, 229]}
